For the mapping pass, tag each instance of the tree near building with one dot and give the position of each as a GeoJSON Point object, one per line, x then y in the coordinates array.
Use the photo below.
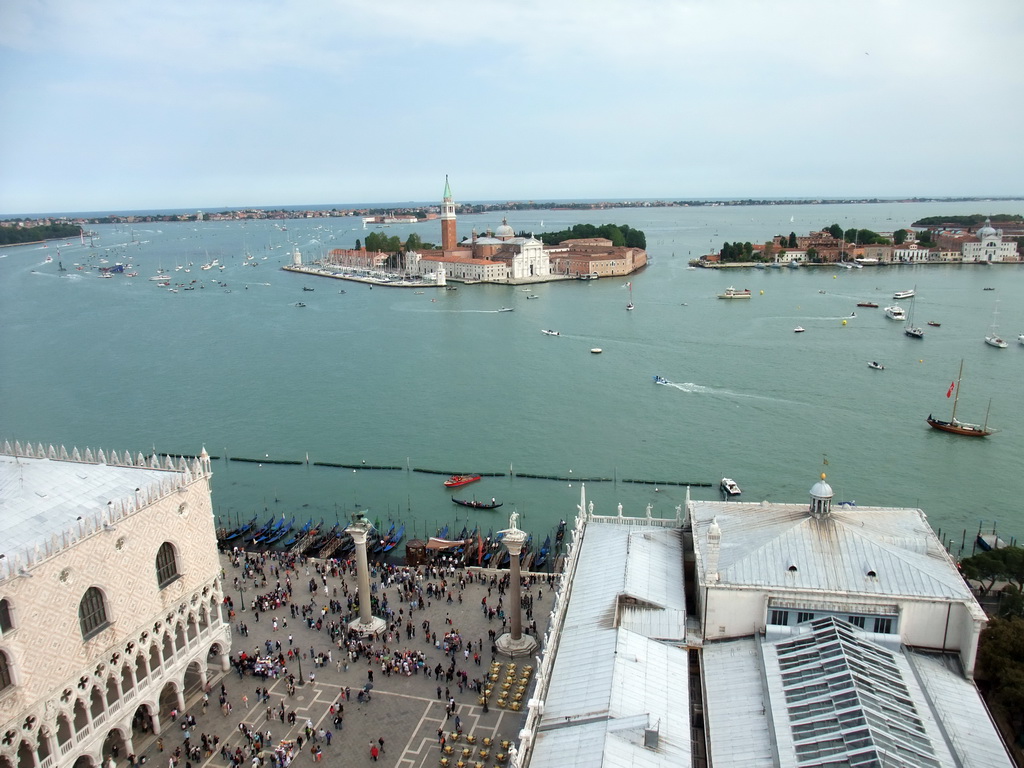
{"type": "Point", "coordinates": [899, 237]}
{"type": "Point", "coordinates": [792, 239]}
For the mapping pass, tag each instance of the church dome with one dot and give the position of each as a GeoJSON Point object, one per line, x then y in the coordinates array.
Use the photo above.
{"type": "Point", "coordinates": [987, 231]}
{"type": "Point", "coordinates": [504, 232]}
{"type": "Point", "coordinates": [821, 489]}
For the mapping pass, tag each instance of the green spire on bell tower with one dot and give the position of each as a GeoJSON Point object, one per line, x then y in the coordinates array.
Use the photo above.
{"type": "Point", "coordinates": [447, 189]}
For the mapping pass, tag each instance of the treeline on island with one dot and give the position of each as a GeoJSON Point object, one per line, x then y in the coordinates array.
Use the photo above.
{"type": "Point", "coordinates": [971, 221]}
{"type": "Point", "coordinates": [619, 234]}
{"type": "Point", "coordinates": [378, 241]}
{"type": "Point", "coordinates": [740, 252]}
{"type": "Point", "coordinates": [15, 235]}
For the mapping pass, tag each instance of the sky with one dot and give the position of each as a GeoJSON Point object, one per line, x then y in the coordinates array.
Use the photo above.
{"type": "Point", "coordinates": [112, 105]}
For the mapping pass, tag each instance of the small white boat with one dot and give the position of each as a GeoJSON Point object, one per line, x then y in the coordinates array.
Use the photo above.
{"type": "Point", "coordinates": [549, 332]}
{"type": "Point", "coordinates": [660, 380]}
{"type": "Point", "coordinates": [895, 312]}
{"type": "Point", "coordinates": [533, 296]}
{"type": "Point", "coordinates": [729, 487]}
{"type": "Point", "coordinates": [876, 366]}
{"type": "Point", "coordinates": [596, 351]}
{"type": "Point", "coordinates": [993, 339]}
{"type": "Point", "coordinates": [505, 309]}
{"type": "Point", "coordinates": [903, 294]}
{"type": "Point", "coordinates": [798, 329]}
{"type": "Point", "coordinates": [1021, 338]}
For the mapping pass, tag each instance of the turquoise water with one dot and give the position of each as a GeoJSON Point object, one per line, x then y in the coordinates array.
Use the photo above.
{"type": "Point", "coordinates": [441, 380]}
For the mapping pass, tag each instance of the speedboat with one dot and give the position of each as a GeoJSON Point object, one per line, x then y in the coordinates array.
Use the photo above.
{"type": "Point", "coordinates": [866, 304]}
{"type": "Point", "coordinates": [903, 294]}
{"type": "Point", "coordinates": [549, 332]}
{"type": "Point", "coordinates": [876, 366]}
{"type": "Point", "coordinates": [1021, 338]}
{"type": "Point", "coordinates": [798, 329]}
{"type": "Point", "coordinates": [505, 309]}
{"type": "Point", "coordinates": [595, 350]}
{"type": "Point", "coordinates": [729, 487]}
{"type": "Point", "coordinates": [660, 380]}
{"type": "Point", "coordinates": [533, 296]}
{"type": "Point", "coordinates": [458, 480]}
{"type": "Point", "coordinates": [895, 312]}
{"type": "Point", "coordinates": [933, 324]}
{"type": "Point", "coordinates": [299, 304]}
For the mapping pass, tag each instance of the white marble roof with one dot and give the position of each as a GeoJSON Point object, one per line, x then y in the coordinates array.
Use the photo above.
{"type": "Point", "coordinates": [43, 497]}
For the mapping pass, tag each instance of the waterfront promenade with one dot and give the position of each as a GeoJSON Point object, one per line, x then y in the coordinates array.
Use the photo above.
{"type": "Point", "coordinates": [406, 711]}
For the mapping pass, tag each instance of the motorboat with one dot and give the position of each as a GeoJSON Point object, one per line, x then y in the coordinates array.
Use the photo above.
{"type": "Point", "coordinates": [533, 296]}
{"type": "Point", "coordinates": [456, 481]}
{"type": "Point", "coordinates": [799, 329]}
{"type": "Point", "coordinates": [895, 312]}
{"type": "Point", "coordinates": [732, 293]}
{"type": "Point", "coordinates": [308, 289]}
{"type": "Point", "coordinates": [933, 324]}
{"type": "Point", "coordinates": [550, 332]}
{"type": "Point", "coordinates": [596, 350]}
{"type": "Point", "coordinates": [866, 304]}
{"type": "Point", "coordinates": [506, 309]}
{"type": "Point", "coordinates": [903, 294]}
{"type": "Point", "coordinates": [729, 487]}
{"type": "Point", "coordinates": [474, 504]}
{"type": "Point", "coordinates": [955, 426]}
{"type": "Point", "coordinates": [1021, 338]}
{"type": "Point", "coordinates": [876, 366]}
{"type": "Point", "coordinates": [660, 380]}
{"type": "Point", "coordinates": [299, 304]}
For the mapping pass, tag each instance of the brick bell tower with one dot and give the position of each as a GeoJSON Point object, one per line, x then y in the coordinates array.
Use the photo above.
{"type": "Point", "coordinates": [448, 240]}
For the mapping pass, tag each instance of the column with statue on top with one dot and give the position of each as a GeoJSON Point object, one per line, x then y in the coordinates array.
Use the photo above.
{"type": "Point", "coordinates": [367, 623]}
{"type": "Point", "coordinates": [515, 643]}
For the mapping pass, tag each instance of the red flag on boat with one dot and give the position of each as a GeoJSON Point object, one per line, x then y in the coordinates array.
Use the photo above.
{"type": "Point", "coordinates": [949, 392]}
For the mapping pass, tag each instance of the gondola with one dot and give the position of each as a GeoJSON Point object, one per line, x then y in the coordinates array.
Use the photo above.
{"type": "Point", "coordinates": [241, 531]}
{"type": "Point", "coordinates": [474, 504]}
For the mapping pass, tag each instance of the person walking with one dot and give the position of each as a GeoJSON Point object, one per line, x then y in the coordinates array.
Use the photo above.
{"type": "Point", "coordinates": [374, 752]}
{"type": "Point", "coordinates": [380, 742]}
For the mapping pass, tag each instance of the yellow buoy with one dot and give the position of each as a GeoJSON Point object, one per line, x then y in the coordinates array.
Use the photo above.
{"type": "Point", "coordinates": [762, 293]}
{"type": "Point", "coordinates": [844, 322]}
{"type": "Point", "coordinates": [833, 277]}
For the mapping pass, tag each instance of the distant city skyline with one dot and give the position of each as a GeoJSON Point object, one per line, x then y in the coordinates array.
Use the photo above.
{"type": "Point", "coordinates": [255, 104]}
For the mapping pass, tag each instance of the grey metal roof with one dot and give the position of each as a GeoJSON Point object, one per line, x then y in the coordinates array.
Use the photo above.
{"type": "Point", "coordinates": [959, 711]}
{"type": "Point", "coordinates": [40, 498]}
{"type": "Point", "coordinates": [781, 545]}
{"type": "Point", "coordinates": [739, 724]}
{"type": "Point", "coordinates": [610, 684]}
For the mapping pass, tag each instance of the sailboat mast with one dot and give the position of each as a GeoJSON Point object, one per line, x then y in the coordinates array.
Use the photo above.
{"type": "Point", "coordinates": [957, 397]}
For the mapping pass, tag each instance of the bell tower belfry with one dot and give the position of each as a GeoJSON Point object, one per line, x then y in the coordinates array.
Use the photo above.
{"type": "Point", "coordinates": [448, 239]}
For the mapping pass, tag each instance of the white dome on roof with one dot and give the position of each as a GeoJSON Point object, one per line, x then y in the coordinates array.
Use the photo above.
{"type": "Point", "coordinates": [821, 489]}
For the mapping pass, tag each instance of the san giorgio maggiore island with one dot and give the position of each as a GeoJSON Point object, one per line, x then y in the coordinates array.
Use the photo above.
{"type": "Point", "coordinates": [499, 257]}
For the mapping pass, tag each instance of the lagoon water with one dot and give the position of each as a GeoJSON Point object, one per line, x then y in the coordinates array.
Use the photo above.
{"type": "Point", "coordinates": [441, 380]}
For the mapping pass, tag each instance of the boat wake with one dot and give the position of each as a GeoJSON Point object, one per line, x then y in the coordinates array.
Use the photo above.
{"type": "Point", "coordinates": [699, 389]}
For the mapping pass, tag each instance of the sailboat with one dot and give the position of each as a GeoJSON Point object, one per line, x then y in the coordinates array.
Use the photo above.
{"type": "Point", "coordinates": [913, 331]}
{"type": "Point", "coordinates": [629, 306]}
{"type": "Point", "coordinates": [993, 339]}
{"type": "Point", "coordinates": [954, 426]}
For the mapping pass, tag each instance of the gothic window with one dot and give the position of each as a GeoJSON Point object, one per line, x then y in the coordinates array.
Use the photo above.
{"type": "Point", "coordinates": [166, 565]}
{"type": "Point", "coordinates": [92, 613]}
{"type": "Point", "coordinates": [6, 624]}
{"type": "Point", "coordinates": [5, 672]}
